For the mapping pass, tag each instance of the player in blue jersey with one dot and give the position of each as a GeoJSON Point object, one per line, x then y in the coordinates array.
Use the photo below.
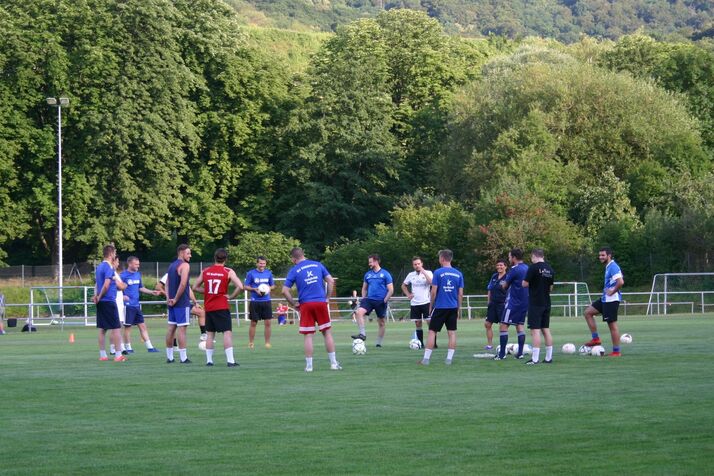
{"type": "Point", "coordinates": [105, 294]}
{"type": "Point", "coordinates": [377, 288]}
{"type": "Point", "coordinates": [261, 306]}
{"type": "Point", "coordinates": [180, 298]}
{"type": "Point", "coordinates": [608, 304]}
{"type": "Point", "coordinates": [447, 292]}
{"type": "Point", "coordinates": [134, 317]}
{"type": "Point", "coordinates": [514, 313]}
{"type": "Point", "coordinates": [496, 301]}
{"type": "Point", "coordinates": [311, 277]}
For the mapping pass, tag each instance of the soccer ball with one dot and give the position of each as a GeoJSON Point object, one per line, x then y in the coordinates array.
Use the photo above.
{"type": "Point", "coordinates": [414, 344]}
{"type": "Point", "coordinates": [202, 345]}
{"type": "Point", "coordinates": [498, 349]}
{"type": "Point", "coordinates": [358, 347]}
{"type": "Point", "coordinates": [264, 289]}
{"type": "Point", "coordinates": [598, 351]}
{"type": "Point", "coordinates": [569, 348]}
{"type": "Point", "coordinates": [626, 338]}
{"type": "Point", "coordinates": [527, 349]}
{"type": "Point", "coordinates": [512, 349]}
{"type": "Point", "coordinates": [584, 350]}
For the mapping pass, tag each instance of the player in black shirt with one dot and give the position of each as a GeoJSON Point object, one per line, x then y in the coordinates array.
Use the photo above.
{"type": "Point", "coordinates": [539, 281]}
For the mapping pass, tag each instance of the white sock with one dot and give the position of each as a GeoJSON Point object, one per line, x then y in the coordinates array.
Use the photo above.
{"type": "Point", "coordinates": [379, 340]}
{"type": "Point", "coordinates": [427, 354]}
{"type": "Point", "coordinates": [333, 359]}
{"type": "Point", "coordinates": [229, 356]}
{"type": "Point", "coordinates": [450, 354]}
{"type": "Point", "coordinates": [112, 349]}
{"type": "Point", "coordinates": [209, 356]}
{"type": "Point", "coordinates": [363, 331]}
{"type": "Point", "coordinates": [123, 347]}
{"type": "Point", "coordinates": [308, 362]}
{"type": "Point", "coordinates": [102, 353]}
{"type": "Point", "coordinates": [148, 344]}
{"type": "Point", "coordinates": [128, 347]}
{"type": "Point", "coordinates": [548, 352]}
{"type": "Point", "coordinates": [182, 354]}
{"type": "Point", "coordinates": [170, 353]}
{"type": "Point", "coordinates": [535, 354]}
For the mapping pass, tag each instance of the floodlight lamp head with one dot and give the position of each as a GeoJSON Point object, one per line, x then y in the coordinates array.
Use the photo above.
{"type": "Point", "coordinates": [52, 101]}
{"type": "Point", "coordinates": [64, 101]}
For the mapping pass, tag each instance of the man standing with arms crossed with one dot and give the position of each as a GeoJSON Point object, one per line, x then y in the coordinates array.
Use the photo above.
{"type": "Point", "coordinates": [261, 306]}
{"type": "Point", "coordinates": [105, 295]}
{"type": "Point", "coordinates": [608, 304]}
{"type": "Point", "coordinates": [419, 295]}
{"type": "Point", "coordinates": [539, 281]}
{"type": "Point", "coordinates": [213, 284]}
{"type": "Point", "coordinates": [516, 303]}
{"type": "Point", "coordinates": [377, 288]}
{"type": "Point", "coordinates": [179, 296]}
{"type": "Point", "coordinates": [310, 278]}
{"type": "Point", "coordinates": [133, 315]}
{"type": "Point", "coordinates": [447, 292]}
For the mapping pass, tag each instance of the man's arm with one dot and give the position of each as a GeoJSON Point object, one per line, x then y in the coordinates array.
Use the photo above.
{"type": "Point", "coordinates": [618, 284]}
{"type": "Point", "coordinates": [390, 291]}
{"type": "Point", "coordinates": [121, 285]}
{"type": "Point", "coordinates": [198, 285]}
{"type": "Point", "coordinates": [460, 299]}
{"type": "Point", "coordinates": [183, 273]}
{"type": "Point", "coordinates": [405, 290]}
{"type": "Point", "coordinates": [289, 297]}
{"type": "Point", "coordinates": [233, 277]}
{"type": "Point", "coordinates": [364, 290]}
{"type": "Point", "coordinates": [524, 283]}
{"type": "Point", "coordinates": [149, 291]}
{"type": "Point", "coordinates": [103, 291]}
{"type": "Point", "coordinates": [433, 297]}
{"type": "Point", "coordinates": [330, 285]}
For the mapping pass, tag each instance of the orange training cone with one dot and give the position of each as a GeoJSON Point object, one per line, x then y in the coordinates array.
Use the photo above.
{"type": "Point", "coordinates": [71, 338]}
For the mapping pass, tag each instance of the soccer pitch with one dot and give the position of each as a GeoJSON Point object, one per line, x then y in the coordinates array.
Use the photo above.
{"type": "Point", "coordinates": [651, 411]}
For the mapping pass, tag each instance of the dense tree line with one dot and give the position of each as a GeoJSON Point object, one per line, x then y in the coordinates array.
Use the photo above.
{"type": "Point", "coordinates": [395, 138]}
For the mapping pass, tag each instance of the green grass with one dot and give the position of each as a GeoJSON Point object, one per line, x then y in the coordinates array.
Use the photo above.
{"type": "Point", "coordinates": [650, 412]}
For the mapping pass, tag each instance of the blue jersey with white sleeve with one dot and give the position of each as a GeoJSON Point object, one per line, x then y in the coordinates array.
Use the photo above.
{"type": "Point", "coordinates": [133, 284]}
{"type": "Point", "coordinates": [106, 271]}
{"type": "Point", "coordinates": [447, 281]}
{"type": "Point", "coordinates": [377, 284]}
{"type": "Point", "coordinates": [612, 274]}
{"type": "Point", "coordinates": [255, 278]}
{"type": "Point", "coordinates": [517, 295]}
{"type": "Point", "coordinates": [309, 277]}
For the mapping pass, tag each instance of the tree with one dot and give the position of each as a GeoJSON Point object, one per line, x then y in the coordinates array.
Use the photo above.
{"type": "Point", "coordinates": [275, 247]}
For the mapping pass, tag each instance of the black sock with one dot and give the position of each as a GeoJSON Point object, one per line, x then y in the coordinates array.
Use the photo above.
{"type": "Point", "coordinates": [175, 343]}
{"type": "Point", "coordinates": [420, 336]}
{"type": "Point", "coordinates": [203, 329]}
{"type": "Point", "coordinates": [521, 342]}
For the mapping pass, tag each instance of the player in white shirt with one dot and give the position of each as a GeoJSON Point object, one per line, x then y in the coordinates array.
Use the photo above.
{"type": "Point", "coordinates": [121, 286]}
{"type": "Point", "coordinates": [420, 294]}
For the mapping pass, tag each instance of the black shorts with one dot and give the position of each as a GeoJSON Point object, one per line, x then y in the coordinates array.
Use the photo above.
{"type": "Point", "coordinates": [219, 321]}
{"type": "Point", "coordinates": [376, 305]}
{"type": "Point", "coordinates": [494, 312]}
{"type": "Point", "coordinates": [133, 316]}
{"type": "Point", "coordinates": [439, 317]}
{"type": "Point", "coordinates": [419, 312]}
{"type": "Point", "coordinates": [538, 317]}
{"type": "Point", "coordinates": [607, 309]}
{"type": "Point", "coordinates": [259, 310]}
{"type": "Point", "coordinates": [107, 315]}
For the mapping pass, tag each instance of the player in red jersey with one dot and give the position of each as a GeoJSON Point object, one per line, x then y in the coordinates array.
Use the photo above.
{"type": "Point", "coordinates": [213, 284]}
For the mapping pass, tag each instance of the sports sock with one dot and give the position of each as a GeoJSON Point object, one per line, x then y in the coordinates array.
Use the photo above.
{"type": "Point", "coordinates": [209, 356]}
{"type": "Point", "coordinates": [102, 353]}
{"type": "Point", "coordinates": [333, 359]}
{"type": "Point", "coordinates": [183, 355]}
{"type": "Point", "coordinates": [379, 340]}
{"type": "Point", "coordinates": [503, 338]}
{"type": "Point", "coordinates": [521, 342]}
{"type": "Point", "coordinates": [148, 344]}
{"type": "Point", "coordinates": [427, 354]}
{"type": "Point", "coordinates": [128, 347]}
{"type": "Point", "coordinates": [535, 357]}
{"type": "Point", "coordinates": [594, 334]}
{"type": "Point", "coordinates": [170, 353]}
{"type": "Point", "coordinates": [123, 347]}
{"type": "Point", "coordinates": [616, 349]}
{"type": "Point", "coordinates": [548, 352]}
{"type": "Point", "coordinates": [112, 350]}
{"type": "Point", "coordinates": [450, 354]}
{"type": "Point", "coordinates": [362, 330]}
{"type": "Point", "coordinates": [420, 336]}
{"type": "Point", "coordinates": [308, 361]}
{"type": "Point", "coordinates": [229, 356]}
{"type": "Point", "coordinates": [203, 329]}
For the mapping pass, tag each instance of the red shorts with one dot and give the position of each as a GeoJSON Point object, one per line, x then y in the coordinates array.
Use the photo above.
{"type": "Point", "coordinates": [312, 313]}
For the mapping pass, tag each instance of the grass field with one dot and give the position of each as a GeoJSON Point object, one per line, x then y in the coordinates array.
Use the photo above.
{"type": "Point", "coordinates": [649, 412]}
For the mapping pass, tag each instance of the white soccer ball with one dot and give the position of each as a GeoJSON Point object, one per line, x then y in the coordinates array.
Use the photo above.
{"type": "Point", "coordinates": [202, 345]}
{"type": "Point", "coordinates": [512, 349]}
{"type": "Point", "coordinates": [626, 338]}
{"type": "Point", "coordinates": [498, 349]}
{"type": "Point", "coordinates": [527, 349]}
{"type": "Point", "coordinates": [584, 350]}
{"type": "Point", "coordinates": [264, 289]}
{"type": "Point", "coordinates": [358, 348]}
{"type": "Point", "coordinates": [357, 341]}
{"type": "Point", "coordinates": [569, 348]}
{"type": "Point", "coordinates": [414, 344]}
{"type": "Point", "coordinates": [598, 351]}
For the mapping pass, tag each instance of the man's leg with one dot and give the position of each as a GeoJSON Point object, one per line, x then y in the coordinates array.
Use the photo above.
{"type": "Point", "coordinates": [521, 329]}
{"type": "Point", "coordinates": [170, 333]}
{"type": "Point", "coordinates": [590, 313]}
{"type": "Point", "coordinates": [308, 352]}
{"type": "Point", "coordinates": [489, 334]}
{"type": "Point", "coordinates": [503, 339]}
{"type": "Point", "coordinates": [381, 322]}
{"type": "Point", "coordinates": [126, 330]}
{"type": "Point", "coordinates": [268, 332]}
{"type": "Point", "coordinates": [452, 346]}
{"type": "Point", "coordinates": [209, 347]}
{"type": "Point", "coordinates": [251, 333]}
{"type": "Point", "coordinates": [330, 348]}
{"type": "Point", "coordinates": [116, 338]}
{"type": "Point", "coordinates": [144, 333]}
{"type": "Point", "coordinates": [548, 345]}
{"type": "Point", "coordinates": [362, 331]}
{"type": "Point", "coordinates": [183, 353]}
{"type": "Point", "coordinates": [228, 346]}
{"type": "Point", "coordinates": [615, 334]}
{"type": "Point", "coordinates": [535, 335]}
{"type": "Point", "coordinates": [419, 331]}
{"type": "Point", "coordinates": [102, 344]}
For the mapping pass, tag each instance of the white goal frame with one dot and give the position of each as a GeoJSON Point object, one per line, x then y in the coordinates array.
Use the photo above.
{"type": "Point", "coordinates": [657, 306]}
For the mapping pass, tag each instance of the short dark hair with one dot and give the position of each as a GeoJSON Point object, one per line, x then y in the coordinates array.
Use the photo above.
{"type": "Point", "coordinates": [607, 250]}
{"type": "Point", "coordinates": [261, 258]}
{"type": "Point", "coordinates": [538, 253]}
{"type": "Point", "coordinates": [375, 257]}
{"type": "Point", "coordinates": [417, 258]}
{"type": "Point", "coordinates": [517, 253]}
{"type": "Point", "coordinates": [297, 253]}
{"type": "Point", "coordinates": [220, 255]}
{"type": "Point", "coordinates": [182, 247]}
{"type": "Point", "coordinates": [108, 250]}
{"type": "Point", "coordinates": [502, 260]}
{"type": "Point", "coordinates": [131, 258]}
{"type": "Point", "coordinates": [447, 255]}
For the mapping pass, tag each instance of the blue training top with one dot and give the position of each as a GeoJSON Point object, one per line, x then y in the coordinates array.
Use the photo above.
{"type": "Point", "coordinates": [448, 281]}
{"type": "Point", "coordinates": [104, 272]}
{"type": "Point", "coordinates": [133, 283]}
{"type": "Point", "coordinates": [517, 294]}
{"type": "Point", "coordinates": [498, 294]}
{"type": "Point", "coordinates": [309, 277]}
{"type": "Point", "coordinates": [174, 280]}
{"type": "Point", "coordinates": [255, 278]}
{"type": "Point", "coordinates": [377, 283]}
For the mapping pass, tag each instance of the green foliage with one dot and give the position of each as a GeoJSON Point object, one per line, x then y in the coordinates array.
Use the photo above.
{"type": "Point", "coordinates": [274, 246]}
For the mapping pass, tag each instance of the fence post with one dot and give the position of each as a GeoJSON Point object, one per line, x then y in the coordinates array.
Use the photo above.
{"type": "Point", "coordinates": [23, 275]}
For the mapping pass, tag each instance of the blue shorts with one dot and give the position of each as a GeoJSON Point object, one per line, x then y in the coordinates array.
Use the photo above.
{"type": "Point", "coordinates": [514, 316]}
{"type": "Point", "coordinates": [133, 317]}
{"type": "Point", "coordinates": [376, 305]}
{"type": "Point", "coordinates": [107, 315]}
{"type": "Point", "coordinates": [179, 316]}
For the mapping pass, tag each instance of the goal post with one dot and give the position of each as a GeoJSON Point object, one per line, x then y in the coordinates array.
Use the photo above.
{"type": "Point", "coordinates": [672, 292]}
{"type": "Point", "coordinates": [572, 297]}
